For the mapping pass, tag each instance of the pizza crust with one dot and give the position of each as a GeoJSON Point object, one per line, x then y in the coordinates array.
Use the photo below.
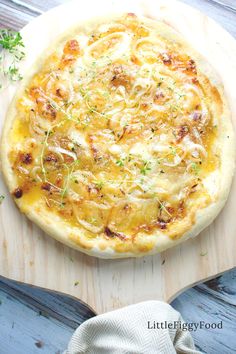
{"type": "Point", "coordinates": [143, 245]}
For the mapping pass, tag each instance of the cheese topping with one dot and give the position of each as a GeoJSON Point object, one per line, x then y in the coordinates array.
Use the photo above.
{"type": "Point", "coordinates": [115, 133]}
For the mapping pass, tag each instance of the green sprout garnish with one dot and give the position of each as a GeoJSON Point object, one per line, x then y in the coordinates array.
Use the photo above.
{"type": "Point", "coordinates": [2, 197]}
{"type": "Point", "coordinates": [120, 162]}
{"type": "Point", "coordinates": [11, 53]}
{"type": "Point", "coordinates": [173, 150]}
{"type": "Point", "coordinates": [146, 167]}
{"type": "Point", "coordinates": [99, 184]}
{"type": "Point", "coordinates": [195, 168]}
{"type": "Point", "coordinates": [202, 254]}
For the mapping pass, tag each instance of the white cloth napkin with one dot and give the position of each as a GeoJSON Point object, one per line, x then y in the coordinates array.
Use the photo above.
{"type": "Point", "coordinates": [129, 331]}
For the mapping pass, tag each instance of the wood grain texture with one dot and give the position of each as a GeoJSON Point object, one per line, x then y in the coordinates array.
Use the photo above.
{"type": "Point", "coordinates": [223, 11]}
{"type": "Point", "coordinates": [34, 321]}
{"type": "Point", "coordinates": [28, 255]}
{"type": "Point", "coordinates": [212, 302]}
{"type": "Point", "coordinates": [16, 13]}
{"type": "Point", "coordinates": [33, 330]}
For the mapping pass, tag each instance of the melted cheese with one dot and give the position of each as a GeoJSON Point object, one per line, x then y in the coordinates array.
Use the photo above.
{"type": "Point", "coordinates": [121, 129]}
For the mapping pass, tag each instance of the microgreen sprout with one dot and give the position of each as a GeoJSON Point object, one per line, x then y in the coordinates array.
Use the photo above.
{"type": "Point", "coordinates": [99, 184]}
{"type": "Point", "coordinates": [173, 150]}
{"type": "Point", "coordinates": [120, 162]}
{"type": "Point", "coordinates": [195, 168]}
{"type": "Point", "coordinates": [146, 167]}
{"type": "Point", "coordinates": [162, 207]}
{"type": "Point", "coordinates": [11, 53]}
{"type": "Point", "coordinates": [2, 197]}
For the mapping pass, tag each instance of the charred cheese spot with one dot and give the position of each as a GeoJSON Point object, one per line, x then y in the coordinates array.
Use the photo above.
{"type": "Point", "coordinates": [18, 192]}
{"type": "Point", "coordinates": [26, 158]}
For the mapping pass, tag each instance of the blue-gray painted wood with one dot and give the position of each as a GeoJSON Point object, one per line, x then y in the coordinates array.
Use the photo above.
{"type": "Point", "coordinates": [212, 302]}
{"type": "Point", "coordinates": [24, 331]}
{"type": "Point", "coordinates": [34, 321]}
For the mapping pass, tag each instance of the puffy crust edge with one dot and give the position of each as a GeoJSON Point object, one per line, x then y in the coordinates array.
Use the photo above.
{"type": "Point", "coordinates": [157, 242]}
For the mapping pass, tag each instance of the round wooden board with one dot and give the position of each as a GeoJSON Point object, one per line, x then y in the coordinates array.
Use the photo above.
{"type": "Point", "coordinates": [30, 256]}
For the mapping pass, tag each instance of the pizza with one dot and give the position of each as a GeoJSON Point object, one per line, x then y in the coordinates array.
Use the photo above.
{"type": "Point", "coordinates": [119, 141]}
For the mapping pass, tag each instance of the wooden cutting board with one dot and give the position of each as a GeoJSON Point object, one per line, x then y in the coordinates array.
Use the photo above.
{"type": "Point", "coordinates": [30, 256]}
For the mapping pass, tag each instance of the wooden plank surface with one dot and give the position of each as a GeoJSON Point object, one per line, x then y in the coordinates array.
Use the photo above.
{"type": "Point", "coordinates": [223, 11]}
{"type": "Point", "coordinates": [35, 321]}
{"type": "Point", "coordinates": [42, 261]}
{"type": "Point", "coordinates": [15, 14]}
{"type": "Point", "coordinates": [212, 302]}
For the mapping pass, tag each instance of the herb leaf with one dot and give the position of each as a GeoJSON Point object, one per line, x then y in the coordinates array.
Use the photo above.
{"type": "Point", "coordinates": [1, 199]}
{"type": "Point", "coordinates": [120, 162]}
{"type": "Point", "coordinates": [10, 40]}
{"type": "Point", "coordinates": [11, 53]}
{"type": "Point", "coordinates": [195, 168]}
{"type": "Point", "coordinates": [146, 167]}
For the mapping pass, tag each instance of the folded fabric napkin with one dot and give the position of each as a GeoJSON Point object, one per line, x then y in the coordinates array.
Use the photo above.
{"type": "Point", "coordinates": [134, 330]}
